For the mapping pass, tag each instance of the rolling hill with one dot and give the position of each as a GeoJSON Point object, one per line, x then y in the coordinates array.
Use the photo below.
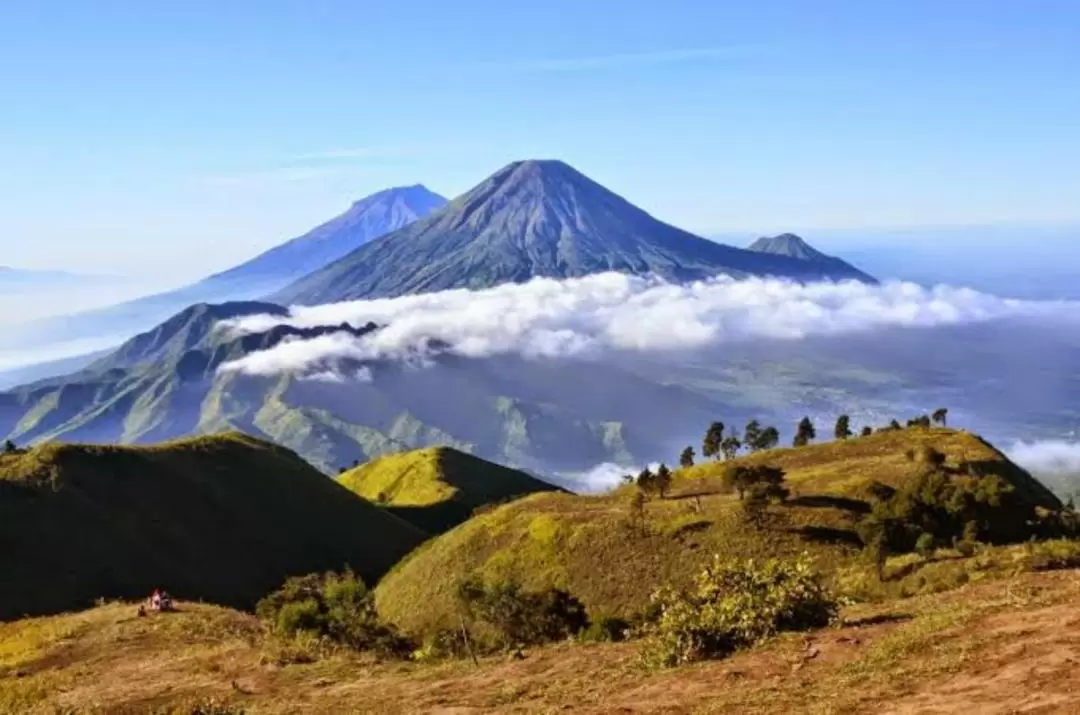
{"type": "Point", "coordinates": [223, 518]}
{"type": "Point", "coordinates": [531, 219]}
{"type": "Point", "coordinates": [437, 488]}
{"type": "Point", "coordinates": [569, 541]}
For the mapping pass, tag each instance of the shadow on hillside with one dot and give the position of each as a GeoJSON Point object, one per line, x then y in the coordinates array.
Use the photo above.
{"type": "Point", "coordinates": [825, 501]}
{"type": "Point", "coordinates": [828, 535]}
{"type": "Point", "coordinates": [878, 620]}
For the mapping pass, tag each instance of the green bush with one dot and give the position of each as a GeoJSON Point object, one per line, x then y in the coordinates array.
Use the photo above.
{"type": "Point", "coordinates": [514, 617]}
{"type": "Point", "coordinates": [606, 629]}
{"type": "Point", "coordinates": [734, 605]}
{"type": "Point", "coordinates": [924, 545]}
{"type": "Point", "coordinates": [331, 606]}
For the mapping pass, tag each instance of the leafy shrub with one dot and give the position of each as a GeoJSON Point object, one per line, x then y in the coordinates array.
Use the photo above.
{"type": "Point", "coordinates": [335, 607]}
{"type": "Point", "coordinates": [514, 617]}
{"type": "Point", "coordinates": [734, 605]}
{"type": "Point", "coordinates": [924, 545]}
{"type": "Point", "coordinates": [442, 643]}
{"type": "Point", "coordinates": [606, 629]}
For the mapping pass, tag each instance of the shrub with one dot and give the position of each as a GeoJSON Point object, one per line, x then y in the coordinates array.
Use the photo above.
{"type": "Point", "coordinates": [331, 606]}
{"type": "Point", "coordinates": [606, 629]}
{"type": "Point", "coordinates": [924, 545]}
{"type": "Point", "coordinates": [734, 605]}
{"type": "Point", "coordinates": [515, 617]}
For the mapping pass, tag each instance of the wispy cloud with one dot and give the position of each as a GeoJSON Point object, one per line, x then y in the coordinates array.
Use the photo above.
{"type": "Point", "coordinates": [618, 60]}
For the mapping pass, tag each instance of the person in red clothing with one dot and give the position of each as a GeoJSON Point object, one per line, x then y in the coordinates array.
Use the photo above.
{"type": "Point", "coordinates": [155, 600]}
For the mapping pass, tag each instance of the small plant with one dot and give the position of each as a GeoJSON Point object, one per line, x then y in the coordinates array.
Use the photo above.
{"type": "Point", "coordinates": [924, 545]}
{"type": "Point", "coordinates": [735, 605]}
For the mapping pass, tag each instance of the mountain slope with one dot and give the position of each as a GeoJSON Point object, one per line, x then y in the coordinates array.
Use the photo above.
{"type": "Point", "coordinates": [369, 218]}
{"type": "Point", "coordinates": [438, 487]}
{"type": "Point", "coordinates": [541, 415]}
{"type": "Point", "coordinates": [530, 219]}
{"type": "Point", "coordinates": [223, 518]}
{"type": "Point", "coordinates": [571, 541]}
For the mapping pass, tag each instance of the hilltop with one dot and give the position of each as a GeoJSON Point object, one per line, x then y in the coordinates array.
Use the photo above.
{"type": "Point", "coordinates": [569, 541]}
{"type": "Point", "coordinates": [223, 518]}
{"type": "Point", "coordinates": [532, 219]}
{"type": "Point", "coordinates": [438, 487]}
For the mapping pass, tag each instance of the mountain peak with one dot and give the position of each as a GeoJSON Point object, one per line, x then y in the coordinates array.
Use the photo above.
{"type": "Point", "coordinates": [787, 244]}
{"type": "Point", "coordinates": [536, 218]}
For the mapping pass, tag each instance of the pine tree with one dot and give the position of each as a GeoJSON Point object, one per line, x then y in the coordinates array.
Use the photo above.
{"type": "Point", "coordinates": [805, 433]}
{"type": "Point", "coordinates": [662, 480]}
{"type": "Point", "coordinates": [753, 435]}
{"type": "Point", "coordinates": [843, 427]}
{"type": "Point", "coordinates": [714, 439]}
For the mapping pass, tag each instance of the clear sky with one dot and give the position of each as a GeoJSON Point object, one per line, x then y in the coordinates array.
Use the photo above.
{"type": "Point", "coordinates": [178, 138]}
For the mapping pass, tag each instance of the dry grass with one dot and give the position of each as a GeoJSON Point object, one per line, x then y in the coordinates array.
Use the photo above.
{"type": "Point", "coordinates": [986, 648]}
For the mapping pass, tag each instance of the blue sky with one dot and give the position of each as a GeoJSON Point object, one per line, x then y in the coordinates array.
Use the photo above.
{"type": "Point", "coordinates": [174, 139]}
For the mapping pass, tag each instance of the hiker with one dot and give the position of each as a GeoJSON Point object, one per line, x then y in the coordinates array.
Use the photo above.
{"type": "Point", "coordinates": [155, 600]}
{"type": "Point", "coordinates": [166, 601]}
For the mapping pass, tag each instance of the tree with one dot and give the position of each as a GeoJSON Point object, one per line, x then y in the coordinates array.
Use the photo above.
{"type": "Point", "coordinates": [646, 481]}
{"type": "Point", "coordinates": [686, 459]}
{"type": "Point", "coordinates": [10, 448]}
{"type": "Point", "coordinates": [843, 427]}
{"type": "Point", "coordinates": [730, 447]}
{"type": "Point", "coordinates": [662, 480]}
{"type": "Point", "coordinates": [637, 519]}
{"type": "Point", "coordinates": [769, 438]}
{"type": "Point", "coordinates": [805, 433]}
{"type": "Point", "coordinates": [753, 435]}
{"type": "Point", "coordinates": [714, 439]}
{"type": "Point", "coordinates": [920, 421]}
{"type": "Point", "coordinates": [867, 431]}
{"type": "Point", "coordinates": [627, 478]}
{"type": "Point", "coordinates": [765, 482]}
{"type": "Point", "coordinates": [940, 416]}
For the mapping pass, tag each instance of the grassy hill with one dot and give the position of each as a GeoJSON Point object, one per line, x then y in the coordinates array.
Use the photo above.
{"type": "Point", "coordinates": [438, 487]}
{"type": "Point", "coordinates": [223, 518]}
{"type": "Point", "coordinates": [593, 547]}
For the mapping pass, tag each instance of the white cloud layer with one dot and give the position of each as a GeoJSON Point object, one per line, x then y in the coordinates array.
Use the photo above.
{"type": "Point", "coordinates": [612, 311]}
{"type": "Point", "coordinates": [1051, 458]}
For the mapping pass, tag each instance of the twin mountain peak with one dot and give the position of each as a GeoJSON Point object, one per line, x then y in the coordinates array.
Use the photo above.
{"type": "Point", "coordinates": [543, 218]}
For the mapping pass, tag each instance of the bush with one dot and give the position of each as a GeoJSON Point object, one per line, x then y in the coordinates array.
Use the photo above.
{"type": "Point", "coordinates": [924, 545]}
{"type": "Point", "coordinates": [335, 607]}
{"type": "Point", "coordinates": [735, 605]}
{"type": "Point", "coordinates": [606, 629]}
{"type": "Point", "coordinates": [514, 617]}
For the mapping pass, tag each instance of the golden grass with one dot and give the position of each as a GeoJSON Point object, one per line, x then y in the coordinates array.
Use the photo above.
{"type": "Point", "coordinates": [587, 545]}
{"type": "Point", "coordinates": [1012, 636]}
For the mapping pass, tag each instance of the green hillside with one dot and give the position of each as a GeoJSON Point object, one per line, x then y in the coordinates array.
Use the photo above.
{"type": "Point", "coordinates": [223, 518]}
{"type": "Point", "coordinates": [596, 548]}
{"type": "Point", "coordinates": [439, 487]}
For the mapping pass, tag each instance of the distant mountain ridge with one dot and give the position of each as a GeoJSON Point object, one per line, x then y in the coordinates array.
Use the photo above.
{"type": "Point", "coordinates": [793, 246]}
{"type": "Point", "coordinates": [168, 382]}
{"type": "Point", "coordinates": [366, 219]}
{"type": "Point", "coordinates": [530, 219]}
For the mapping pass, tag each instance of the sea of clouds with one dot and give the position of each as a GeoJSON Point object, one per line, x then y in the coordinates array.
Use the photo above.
{"type": "Point", "coordinates": [587, 316]}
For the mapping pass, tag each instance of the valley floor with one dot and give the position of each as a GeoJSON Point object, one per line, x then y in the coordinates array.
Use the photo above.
{"type": "Point", "coordinates": [1001, 646]}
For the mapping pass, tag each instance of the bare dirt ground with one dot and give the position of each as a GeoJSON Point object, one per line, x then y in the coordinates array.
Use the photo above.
{"type": "Point", "coordinates": [1007, 646]}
